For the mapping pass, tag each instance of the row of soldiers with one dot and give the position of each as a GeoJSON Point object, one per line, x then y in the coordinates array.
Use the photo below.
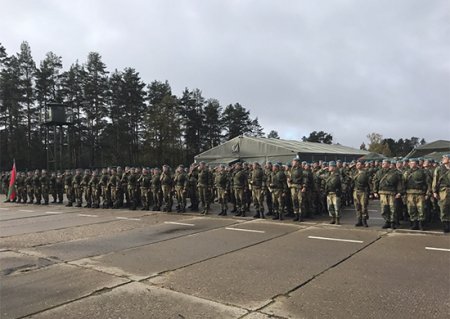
{"type": "Point", "coordinates": [298, 188]}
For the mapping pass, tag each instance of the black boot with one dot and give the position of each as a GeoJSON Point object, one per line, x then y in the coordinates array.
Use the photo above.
{"type": "Point", "coordinates": [257, 215]}
{"type": "Point", "coordinates": [297, 217]}
{"type": "Point", "coordinates": [393, 225]}
{"type": "Point", "coordinates": [421, 225]}
{"type": "Point", "coordinates": [365, 222]}
{"type": "Point", "coordinates": [415, 225]}
{"type": "Point", "coordinates": [280, 216]}
{"type": "Point", "coordinates": [359, 223]}
{"type": "Point", "coordinates": [338, 221]}
{"type": "Point", "coordinates": [446, 227]}
{"type": "Point", "coordinates": [262, 215]}
{"type": "Point", "coordinates": [333, 220]}
{"type": "Point", "coordinates": [386, 225]}
{"type": "Point", "coordinates": [275, 216]}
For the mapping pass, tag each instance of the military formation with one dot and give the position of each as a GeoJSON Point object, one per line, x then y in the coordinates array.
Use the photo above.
{"type": "Point", "coordinates": [414, 190]}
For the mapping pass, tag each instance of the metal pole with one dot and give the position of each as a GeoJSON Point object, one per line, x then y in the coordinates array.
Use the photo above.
{"type": "Point", "coordinates": [54, 147]}
{"type": "Point", "coordinates": [61, 134]}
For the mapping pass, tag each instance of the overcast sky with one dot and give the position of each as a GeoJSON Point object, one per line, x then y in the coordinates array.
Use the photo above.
{"type": "Point", "coordinates": [347, 67]}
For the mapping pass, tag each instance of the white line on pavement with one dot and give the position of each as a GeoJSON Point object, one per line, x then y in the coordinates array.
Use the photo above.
{"type": "Point", "coordinates": [127, 218]}
{"type": "Point", "coordinates": [372, 210]}
{"type": "Point", "coordinates": [434, 248]}
{"type": "Point", "coordinates": [337, 239]}
{"type": "Point", "coordinates": [53, 213]}
{"type": "Point", "coordinates": [26, 210]}
{"type": "Point", "coordinates": [376, 218]}
{"type": "Point", "coordinates": [87, 215]}
{"type": "Point", "coordinates": [2, 208]}
{"type": "Point", "coordinates": [246, 230]}
{"type": "Point", "coordinates": [182, 224]}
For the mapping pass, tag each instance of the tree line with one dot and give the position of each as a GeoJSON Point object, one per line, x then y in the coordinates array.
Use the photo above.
{"type": "Point", "coordinates": [117, 118]}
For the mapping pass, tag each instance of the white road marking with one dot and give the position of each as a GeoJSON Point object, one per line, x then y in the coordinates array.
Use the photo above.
{"type": "Point", "coordinates": [182, 224]}
{"type": "Point", "coordinates": [376, 218]}
{"type": "Point", "coordinates": [418, 231]}
{"type": "Point", "coordinates": [434, 248]}
{"type": "Point", "coordinates": [87, 215]}
{"type": "Point", "coordinates": [54, 213]}
{"type": "Point", "coordinates": [127, 218]}
{"type": "Point", "coordinates": [328, 224]}
{"type": "Point", "coordinates": [372, 210]}
{"type": "Point", "coordinates": [1, 208]}
{"type": "Point", "coordinates": [26, 210]}
{"type": "Point", "coordinates": [337, 239]}
{"type": "Point", "coordinates": [246, 230]}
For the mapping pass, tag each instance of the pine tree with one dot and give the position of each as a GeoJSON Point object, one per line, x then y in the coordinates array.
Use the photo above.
{"type": "Point", "coordinates": [236, 120]}
{"type": "Point", "coordinates": [162, 126]}
{"type": "Point", "coordinates": [213, 125]}
{"type": "Point", "coordinates": [72, 82]}
{"type": "Point", "coordinates": [95, 107]}
{"type": "Point", "coordinates": [27, 71]}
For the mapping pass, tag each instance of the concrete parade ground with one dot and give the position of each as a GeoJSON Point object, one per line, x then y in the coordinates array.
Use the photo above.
{"type": "Point", "coordinates": [67, 262]}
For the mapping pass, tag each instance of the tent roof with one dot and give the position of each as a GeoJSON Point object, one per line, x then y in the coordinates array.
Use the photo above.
{"type": "Point", "coordinates": [247, 146]}
{"type": "Point", "coordinates": [436, 146]}
{"type": "Point", "coordinates": [372, 156]}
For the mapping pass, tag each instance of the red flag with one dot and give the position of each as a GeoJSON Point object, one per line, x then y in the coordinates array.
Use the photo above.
{"type": "Point", "coordinates": [12, 184]}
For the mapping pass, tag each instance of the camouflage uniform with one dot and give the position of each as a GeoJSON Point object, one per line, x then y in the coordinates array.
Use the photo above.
{"type": "Point", "coordinates": [45, 186]}
{"type": "Point", "coordinates": [204, 184]}
{"type": "Point", "coordinates": [145, 182]}
{"type": "Point", "coordinates": [37, 187]}
{"type": "Point", "coordinates": [239, 186]}
{"type": "Point", "coordinates": [156, 190]}
{"type": "Point", "coordinates": [29, 186]}
{"type": "Point", "coordinates": [333, 191]}
{"type": "Point", "coordinates": [221, 182]}
{"type": "Point", "coordinates": [258, 185]}
{"type": "Point", "coordinates": [361, 188]}
{"type": "Point", "coordinates": [441, 190]}
{"type": "Point", "coordinates": [278, 187]}
{"type": "Point", "coordinates": [418, 185]}
{"type": "Point", "coordinates": [181, 185]}
{"type": "Point", "coordinates": [166, 187]}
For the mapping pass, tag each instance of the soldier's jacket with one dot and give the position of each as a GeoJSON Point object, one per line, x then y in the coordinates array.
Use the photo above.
{"type": "Point", "coordinates": [240, 179]}
{"type": "Point", "coordinates": [77, 179]}
{"type": "Point", "coordinates": [45, 181]}
{"type": "Point", "coordinates": [124, 179]}
{"type": "Point", "coordinates": [388, 180]}
{"type": "Point", "coordinates": [94, 182]}
{"type": "Point", "coordinates": [333, 183]}
{"type": "Point", "coordinates": [68, 179]}
{"type": "Point", "coordinates": [296, 177]}
{"type": "Point", "coordinates": [417, 181]}
{"type": "Point", "coordinates": [156, 181]}
{"type": "Point", "coordinates": [166, 179]}
{"type": "Point", "coordinates": [361, 180]}
{"type": "Point", "coordinates": [37, 181]}
{"type": "Point", "coordinates": [180, 179]}
{"type": "Point", "coordinates": [59, 182]}
{"type": "Point", "coordinates": [222, 180]}
{"type": "Point", "coordinates": [112, 182]}
{"type": "Point", "coordinates": [258, 178]}
{"type": "Point", "coordinates": [132, 181]}
{"type": "Point", "coordinates": [86, 179]}
{"type": "Point", "coordinates": [29, 181]}
{"type": "Point", "coordinates": [192, 180]}
{"type": "Point", "coordinates": [204, 178]}
{"type": "Point", "coordinates": [441, 179]}
{"type": "Point", "coordinates": [52, 182]}
{"type": "Point", "coordinates": [145, 181]}
{"type": "Point", "coordinates": [104, 180]}
{"type": "Point", "coordinates": [20, 182]}
{"type": "Point", "coordinates": [278, 181]}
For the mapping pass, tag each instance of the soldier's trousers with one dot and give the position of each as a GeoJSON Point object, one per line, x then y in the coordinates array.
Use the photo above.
{"type": "Point", "coordinates": [60, 194]}
{"type": "Point", "coordinates": [88, 195]}
{"type": "Point", "coordinates": [52, 192]}
{"type": "Point", "coordinates": [69, 194]}
{"type": "Point", "coordinates": [181, 197]}
{"type": "Point", "coordinates": [387, 202]}
{"type": "Point", "coordinates": [416, 206]}
{"type": "Point", "coordinates": [222, 197]}
{"type": "Point", "coordinates": [334, 205]}
{"type": "Point", "coordinates": [239, 195]}
{"type": "Point", "coordinates": [157, 198]}
{"type": "Point", "coordinates": [131, 196]}
{"type": "Point", "coordinates": [145, 197]}
{"type": "Point", "coordinates": [78, 190]}
{"type": "Point", "coordinates": [203, 193]}
{"type": "Point", "coordinates": [106, 194]}
{"type": "Point", "coordinates": [167, 197]}
{"type": "Point", "coordinates": [444, 204]}
{"type": "Point", "coordinates": [37, 194]}
{"type": "Point", "coordinates": [258, 198]}
{"type": "Point", "coordinates": [45, 194]}
{"type": "Point", "coordinates": [297, 198]}
{"type": "Point", "coordinates": [269, 201]}
{"type": "Point", "coordinates": [95, 195]}
{"type": "Point", "coordinates": [361, 200]}
{"type": "Point", "coordinates": [278, 201]}
{"type": "Point", "coordinates": [30, 192]}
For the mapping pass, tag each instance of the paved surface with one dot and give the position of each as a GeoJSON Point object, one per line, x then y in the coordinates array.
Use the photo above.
{"type": "Point", "coordinates": [66, 262]}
